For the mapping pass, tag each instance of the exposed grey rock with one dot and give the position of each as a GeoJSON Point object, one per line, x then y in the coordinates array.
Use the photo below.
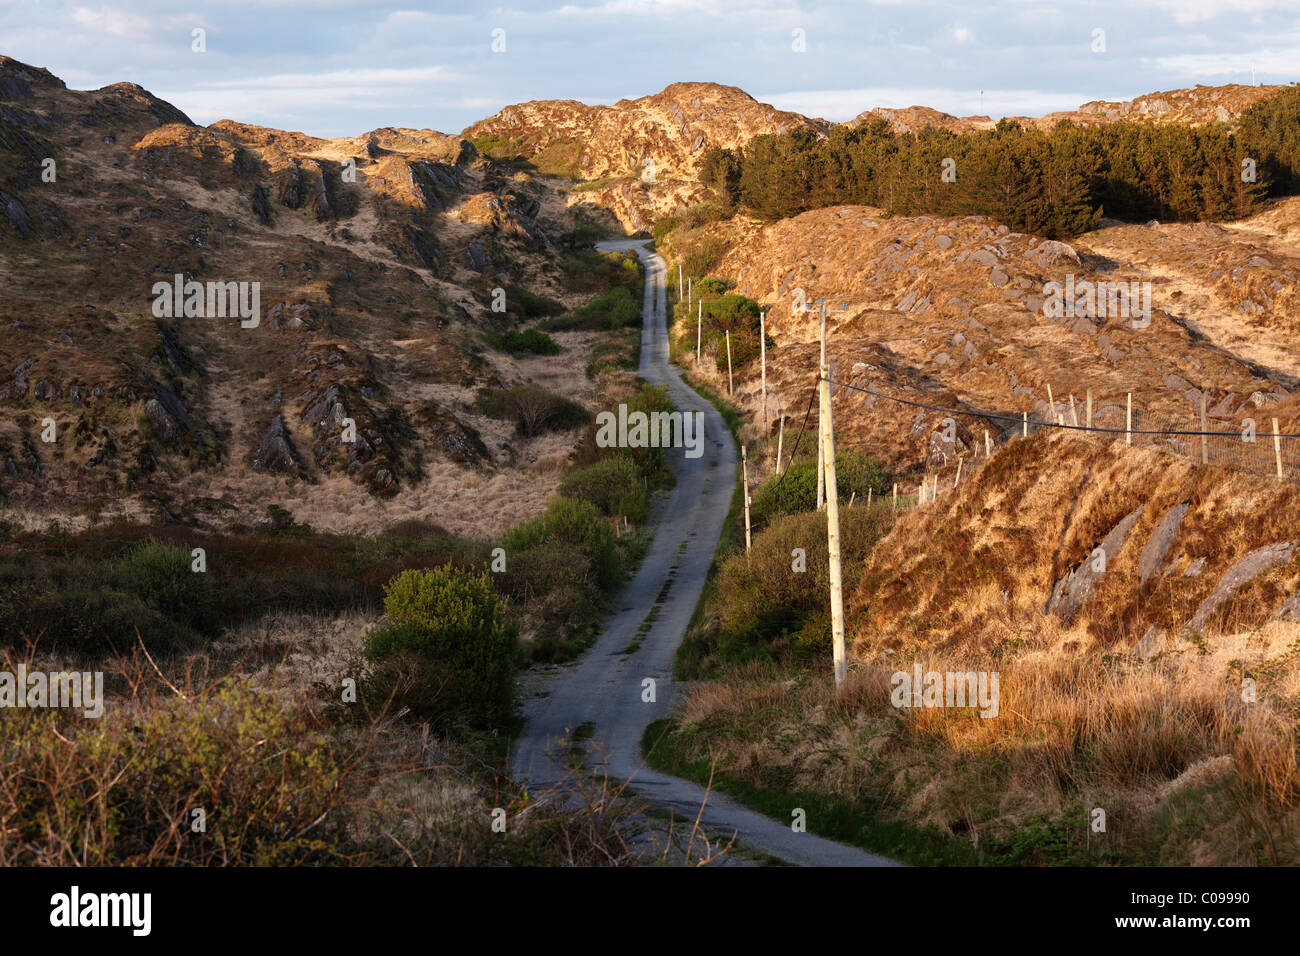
{"type": "Point", "coordinates": [292, 192]}
{"type": "Point", "coordinates": [943, 242]}
{"type": "Point", "coordinates": [15, 214]}
{"type": "Point", "coordinates": [1157, 546]}
{"type": "Point", "coordinates": [1151, 644]}
{"type": "Point", "coordinates": [477, 255]}
{"type": "Point", "coordinates": [275, 452]}
{"type": "Point", "coordinates": [322, 199]}
{"type": "Point", "coordinates": [1195, 568]}
{"type": "Point", "coordinates": [984, 257]}
{"type": "Point", "coordinates": [998, 277]}
{"type": "Point", "coordinates": [1290, 609]}
{"type": "Point", "coordinates": [1244, 571]}
{"type": "Point", "coordinates": [165, 427]}
{"type": "Point", "coordinates": [1076, 587]}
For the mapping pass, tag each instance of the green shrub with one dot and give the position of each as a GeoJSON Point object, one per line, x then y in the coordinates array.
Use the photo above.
{"type": "Point", "coordinates": [453, 618]}
{"type": "Point", "coordinates": [160, 575]}
{"type": "Point", "coordinates": [527, 342]}
{"type": "Point", "coordinates": [533, 409]}
{"type": "Point", "coordinates": [614, 485]}
{"type": "Point", "coordinates": [854, 473]}
{"type": "Point", "coordinates": [663, 227]}
{"type": "Point", "coordinates": [577, 525]}
{"type": "Point", "coordinates": [764, 609]}
{"type": "Point", "coordinates": [519, 301]}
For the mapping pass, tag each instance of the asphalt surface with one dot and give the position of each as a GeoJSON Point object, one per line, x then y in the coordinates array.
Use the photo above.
{"type": "Point", "coordinates": [607, 687]}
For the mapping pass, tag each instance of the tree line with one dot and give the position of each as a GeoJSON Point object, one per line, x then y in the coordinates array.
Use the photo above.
{"type": "Point", "coordinates": [1055, 183]}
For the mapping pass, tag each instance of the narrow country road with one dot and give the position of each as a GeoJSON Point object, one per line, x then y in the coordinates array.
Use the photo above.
{"type": "Point", "coordinates": [606, 686]}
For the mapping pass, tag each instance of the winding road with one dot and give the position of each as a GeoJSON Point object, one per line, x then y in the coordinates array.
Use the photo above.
{"type": "Point", "coordinates": [606, 687]}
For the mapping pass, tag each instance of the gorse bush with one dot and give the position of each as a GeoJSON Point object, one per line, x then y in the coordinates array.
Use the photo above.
{"type": "Point", "coordinates": [120, 790]}
{"type": "Point", "coordinates": [762, 608]}
{"type": "Point", "coordinates": [519, 301]}
{"type": "Point", "coordinates": [453, 619]}
{"type": "Point", "coordinates": [527, 342]}
{"type": "Point", "coordinates": [614, 485]}
{"type": "Point", "coordinates": [612, 310]}
{"type": "Point", "coordinates": [533, 409]}
{"type": "Point", "coordinates": [578, 525]}
{"type": "Point", "coordinates": [162, 575]}
{"type": "Point", "coordinates": [854, 473]}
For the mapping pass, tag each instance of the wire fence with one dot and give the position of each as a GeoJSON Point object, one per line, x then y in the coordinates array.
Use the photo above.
{"type": "Point", "coordinates": [1257, 445]}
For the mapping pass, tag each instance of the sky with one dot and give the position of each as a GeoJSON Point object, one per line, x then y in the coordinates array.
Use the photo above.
{"type": "Point", "coordinates": [338, 68]}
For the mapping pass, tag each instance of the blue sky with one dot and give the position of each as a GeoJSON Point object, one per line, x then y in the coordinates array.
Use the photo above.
{"type": "Point", "coordinates": [331, 67]}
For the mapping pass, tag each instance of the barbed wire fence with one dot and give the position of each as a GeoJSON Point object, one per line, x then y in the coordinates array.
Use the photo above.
{"type": "Point", "coordinates": [1259, 445]}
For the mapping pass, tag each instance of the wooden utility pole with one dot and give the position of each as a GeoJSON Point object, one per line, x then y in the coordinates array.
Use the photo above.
{"type": "Point", "coordinates": [825, 376]}
{"type": "Point", "coordinates": [762, 351]}
{"type": "Point", "coordinates": [1277, 448]}
{"type": "Point", "coordinates": [1205, 439]}
{"type": "Point", "coordinates": [832, 521]}
{"type": "Point", "coordinates": [744, 468]}
{"type": "Point", "coordinates": [731, 386]}
{"type": "Point", "coordinates": [1089, 408]}
{"type": "Point", "coordinates": [1128, 421]}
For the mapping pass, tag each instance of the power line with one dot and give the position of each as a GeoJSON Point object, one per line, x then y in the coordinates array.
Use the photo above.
{"type": "Point", "coordinates": [993, 416]}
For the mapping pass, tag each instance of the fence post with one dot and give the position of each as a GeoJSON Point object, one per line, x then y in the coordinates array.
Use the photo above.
{"type": "Point", "coordinates": [1128, 422]}
{"type": "Point", "coordinates": [762, 351]}
{"type": "Point", "coordinates": [744, 466]}
{"type": "Point", "coordinates": [895, 496]}
{"type": "Point", "coordinates": [1074, 416]}
{"type": "Point", "coordinates": [869, 491]}
{"type": "Point", "coordinates": [988, 445]}
{"type": "Point", "coordinates": [780, 440]}
{"type": "Point", "coordinates": [1277, 447]}
{"type": "Point", "coordinates": [699, 330]}
{"type": "Point", "coordinates": [852, 498]}
{"type": "Point", "coordinates": [681, 288]}
{"type": "Point", "coordinates": [1089, 413]}
{"type": "Point", "coordinates": [957, 480]}
{"type": "Point", "coordinates": [1024, 424]}
{"type": "Point", "coordinates": [1205, 439]}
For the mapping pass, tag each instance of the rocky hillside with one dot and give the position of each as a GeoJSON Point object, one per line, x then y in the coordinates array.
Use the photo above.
{"type": "Point", "coordinates": [1201, 104]}
{"type": "Point", "coordinates": [951, 312]}
{"type": "Point", "coordinates": [375, 258]}
{"type": "Point", "coordinates": [641, 157]}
